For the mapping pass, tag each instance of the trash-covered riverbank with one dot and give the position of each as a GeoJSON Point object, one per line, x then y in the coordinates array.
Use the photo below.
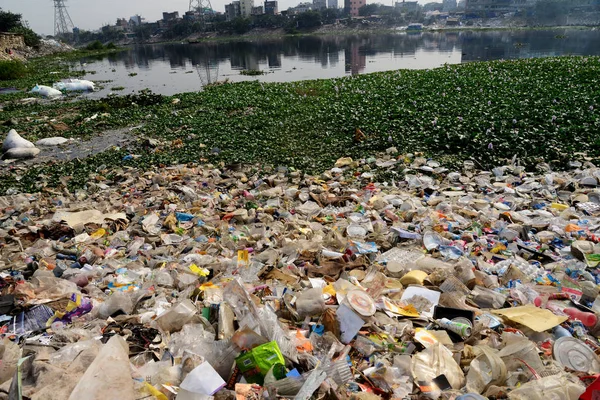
{"type": "Point", "coordinates": [540, 110]}
{"type": "Point", "coordinates": [187, 282]}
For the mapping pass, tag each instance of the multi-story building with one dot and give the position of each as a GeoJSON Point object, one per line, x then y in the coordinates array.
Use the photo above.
{"type": "Point", "coordinates": [271, 7]}
{"type": "Point", "coordinates": [302, 8]}
{"type": "Point", "coordinates": [170, 16]}
{"type": "Point", "coordinates": [258, 10]}
{"type": "Point", "coordinates": [246, 8]}
{"type": "Point", "coordinates": [352, 6]}
{"type": "Point", "coordinates": [319, 4]}
{"type": "Point", "coordinates": [332, 4]}
{"type": "Point", "coordinates": [232, 11]}
{"type": "Point", "coordinates": [136, 20]}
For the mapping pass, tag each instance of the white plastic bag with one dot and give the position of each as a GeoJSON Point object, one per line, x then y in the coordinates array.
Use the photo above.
{"type": "Point", "coordinates": [20, 153]}
{"type": "Point", "coordinates": [52, 141]}
{"type": "Point", "coordinates": [14, 141]}
{"type": "Point", "coordinates": [46, 91]}
{"type": "Point", "coordinates": [72, 85]}
{"type": "Point", "coordinates": [109, 376]}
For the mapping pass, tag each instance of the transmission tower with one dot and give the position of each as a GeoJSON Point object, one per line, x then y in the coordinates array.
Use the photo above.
{"type": "Point", "coordinates": [63, 25]}
{"type": "Point", "coordinates": [202, 6]}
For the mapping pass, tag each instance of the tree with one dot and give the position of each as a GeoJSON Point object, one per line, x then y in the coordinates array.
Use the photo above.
{"type": "Point", "coordinates": [241, 25]}
{"type": "Point", "coordinates": [11, 22]}
{"type": "Point", "coordinates": [309, 19]}
{"type": "Point", "coordinates": [330, 15]}
{"type": "Point", "coordinates": [368, 9]}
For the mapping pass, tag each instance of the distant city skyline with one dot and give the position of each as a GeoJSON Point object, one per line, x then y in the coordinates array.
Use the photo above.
{"type": "Point", "coordinates": [92, 15]}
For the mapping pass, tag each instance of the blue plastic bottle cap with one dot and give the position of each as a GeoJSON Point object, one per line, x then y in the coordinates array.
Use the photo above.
{"type": "Point", "coordinates": [318, 329]}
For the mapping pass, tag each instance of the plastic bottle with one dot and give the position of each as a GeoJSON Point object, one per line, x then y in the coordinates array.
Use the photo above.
{"type": "Point", "coordinates": [559, 332]}
{"type": "Point", "coordinates": [586, 318]}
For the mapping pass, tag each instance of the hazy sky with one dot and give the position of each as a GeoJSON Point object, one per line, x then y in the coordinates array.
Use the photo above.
{"type": "Point", "coordinates": [92, 14]}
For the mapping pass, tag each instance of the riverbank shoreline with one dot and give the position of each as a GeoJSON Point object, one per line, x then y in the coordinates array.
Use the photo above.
{"type": "Point", "coordinates": [263, 34]}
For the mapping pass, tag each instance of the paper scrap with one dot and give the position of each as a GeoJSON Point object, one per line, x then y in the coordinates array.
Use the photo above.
{"type": "Point", "coordinates": [407, 311]}
{"type": "Point", "coordinates": [78, 219]}
{"type": "Point", "coordinates": [318, 282]}
{"type": "Point", "coordinates": [537, 319]}
{"type": "Point", "coordinates": [203, 380]}
{"type": "Point", "coordinates": [431, 295]}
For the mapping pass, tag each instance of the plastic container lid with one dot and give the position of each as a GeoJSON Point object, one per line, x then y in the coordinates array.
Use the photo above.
{"type": "Point", "coordinates": [361, 302]}
{"type": "Point", "coordinates": [356, 231]}
{"type": "Point", "coordinates": [576, 355]}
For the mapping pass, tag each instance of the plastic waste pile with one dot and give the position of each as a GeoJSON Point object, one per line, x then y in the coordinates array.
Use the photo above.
{"type": "Point", "coordinates": [16, 147]}
{"type": "Point", "coordinates": [200, 282]}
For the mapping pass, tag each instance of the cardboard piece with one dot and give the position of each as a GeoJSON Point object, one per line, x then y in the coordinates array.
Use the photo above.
{"type": "Point", "coordinates": [537, 319]}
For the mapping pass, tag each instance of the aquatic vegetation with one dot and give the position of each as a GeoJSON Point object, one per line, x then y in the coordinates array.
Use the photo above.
{"type": "Point", "coordinates": [539, 110]}
{"type": "Point", "coordinates": [252, 72]}
{"type": "Point", "coordinates": [12, 70]}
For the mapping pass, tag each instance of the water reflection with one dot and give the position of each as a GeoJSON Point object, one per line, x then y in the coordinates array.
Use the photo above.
{"type": "Point", "coordinates": [170, 68]}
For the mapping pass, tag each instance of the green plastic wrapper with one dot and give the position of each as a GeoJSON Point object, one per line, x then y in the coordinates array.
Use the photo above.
{"type": "Point", "coordinates": [255, 364]}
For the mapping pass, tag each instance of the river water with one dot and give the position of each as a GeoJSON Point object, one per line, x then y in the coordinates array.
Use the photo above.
{"type": "Point", "coordinates": [176, 68]}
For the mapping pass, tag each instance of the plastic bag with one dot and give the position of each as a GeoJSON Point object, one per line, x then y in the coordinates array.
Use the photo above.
{"type": "Point", "coordinates": [561, 386]}
{"type": "Point", "coordinates": [433, 362]}
{"type": "Point", "coordinates": [108, 377]}
{"type": "Point", "coordinates": [13, 141]}
{"type": "Point", "coordinates": [485, 370]}
{"type": "Point", "coordinates": [255, 364]}
{"type": "Point", "coordinates": [46, 91]}
{"type": "Point", "coordinates": [72, 85]}
{"type": "Point", "coordinates": [487, 298]}
{"type": "Point", "coordinates": [11, 352]}
{"type": "Point", "coordinates": [517, 350]}
{"type": "Point", "coordinates": [118, 302]}
{"type": "Point", "coordinates": [310, 302]}
{"type": "Point", "coordinates": [176, 317]}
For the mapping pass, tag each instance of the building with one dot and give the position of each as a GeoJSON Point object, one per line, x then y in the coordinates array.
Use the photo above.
{"type": "Point", "coordinates": [232, 11]}
{"type": "Point", "coordinates": [332, 4]}
{"type": "Point", "coordinates": [170, 16]}
{"type": "Point", "coordinates": [258, 10]}
{"type": "Point", "coordinates": [122, 22]}
{"type": "Point", "coordinates": [271, 8]}
{"type": "Point", "coordinates": [191, 16]}
{"type": "Point", "coordinates": [302, 8]}
{"type": "Point", "coordinates": [352, 6]}
{"type": "Point", "coordinates": [449, 5]}
{"type": "Point", "coordinates": [136, 20]}
{"type": "Point", "coordinates": [319, 4]}
{"type": "Point", "coordinates": [407, 6]}
{"type": "Point", "coordinates": [246, 8]}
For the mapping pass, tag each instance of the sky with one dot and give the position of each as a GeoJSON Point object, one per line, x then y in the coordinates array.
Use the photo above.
{"type": "Point", "coordinates": [92, 14]}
